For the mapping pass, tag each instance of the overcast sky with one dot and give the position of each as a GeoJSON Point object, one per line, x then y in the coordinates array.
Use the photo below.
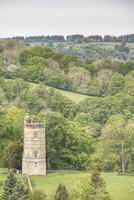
{"type": "Point", "coordinates": [43, 17]}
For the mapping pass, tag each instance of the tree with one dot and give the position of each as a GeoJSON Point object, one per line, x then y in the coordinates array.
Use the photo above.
{"type": "Point", "coordinates": [11, 122]}
{"type": "Point", "coordinates": [115, 148]}
{"type": "Point", "coordinates": [19, 192]}
{"type": "Point", "coordinates": [62, 104]}
{"type": "Point", "coordinates": [14, 88]}
{"type": "Point", "coordinates": [30, 100]}
{"type": "Point", "coordinates": [11, 125]}
{"type": "Point", "coordinates": [96, 180]}
{"type": "Point", "coordinates": [103, 78]}
{"type": "Point", "coordinates": [61, 193]}
{"type": "Point", "coordinates": [80, 77]}
{"type": "Point", "coordinates": [116, 84]}
{"type": "Point", "coordinates": [91, 188]}
{"type": "Point", "coordinates": [98, 187]}
{"type": "Point", "coordinates": [9, 186]}
{"type": "Point", "coordinates": [12, 155]}
{"type": "Point", "coordinates": [68, 144]}
{"type": "Point", "coordinates": [3, 99]}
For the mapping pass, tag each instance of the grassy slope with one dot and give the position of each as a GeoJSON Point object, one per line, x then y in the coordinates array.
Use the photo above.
{"type": "Point", "coordinates": [119, 187]}
{"type": "Point", "coordinates": [73, 96]}
{"type": "Point", "coordinates": [76, 97]}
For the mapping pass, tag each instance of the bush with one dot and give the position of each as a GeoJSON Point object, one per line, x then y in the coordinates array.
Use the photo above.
{"type": "Point", "coordinates": [38, 195]}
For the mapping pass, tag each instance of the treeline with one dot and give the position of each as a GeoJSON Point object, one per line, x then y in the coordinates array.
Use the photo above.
{"type": "Point", "coordinates": [76, 38]}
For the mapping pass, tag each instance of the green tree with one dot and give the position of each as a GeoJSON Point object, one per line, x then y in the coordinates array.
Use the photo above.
{"type": "Point", "coordinates": [116, 84]}
{"type": "Point", "coordinates": [14, 88]}
{"type": "Point", "coordinates": [9, 186]}
{"type": "Point", "coordinates": [96, 180]}
{"type": "Point", "coordinates": [11, 123]}
{"type": "Point", "coordinates": [11, 126]}
{"type": "Point", "coordinates": [3, 99]}
{"type": "Point", "coordinates": [68, 144]}
{"type": "Point", "coordinates": [19, 193]}
{"type": "Point", "coordinates": [61, 193]}
{"type": "Point", "coordinates": [115, 148]}
{"type": "Point", "coordinates": [98, 187]}
{"type": "Point", "coordinates": [91, 188]}
{"type": "Point", "coordinates": [12, 155]}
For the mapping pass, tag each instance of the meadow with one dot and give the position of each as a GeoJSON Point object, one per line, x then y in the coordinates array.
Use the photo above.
{"type": "Point", "coordinates": [74, 96]}
{"type": "Point", "coordinates": [120, 187]}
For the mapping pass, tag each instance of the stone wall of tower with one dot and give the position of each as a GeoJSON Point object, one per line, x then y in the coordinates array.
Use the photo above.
{"type": "Point", "coordinates": [34, 155]}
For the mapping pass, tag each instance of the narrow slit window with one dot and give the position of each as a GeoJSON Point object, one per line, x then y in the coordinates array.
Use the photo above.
{"type": "Point", "coordinates": [35, 154]}
{"type": "Point", "coordinates": [35, 134]}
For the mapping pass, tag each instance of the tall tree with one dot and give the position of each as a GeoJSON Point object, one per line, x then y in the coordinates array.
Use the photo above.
{"type": "Point", "coordinates": [12, 155]}
{"type": "Point", "coordinates": [116, 84]}
{"type": "Point", "coordinates": [9, 186]}
{"type": "Point", "coordinates": [19, 192]}
{"type": "Point", "coordinates": [61, 193]}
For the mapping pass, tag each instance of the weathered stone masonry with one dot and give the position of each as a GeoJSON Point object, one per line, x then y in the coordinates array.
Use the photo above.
{"type": "Point", "coordinates": [34, 155]}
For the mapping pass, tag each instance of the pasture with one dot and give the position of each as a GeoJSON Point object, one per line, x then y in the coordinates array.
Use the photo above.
{"type": "Point", "coordinates": [120, 187]}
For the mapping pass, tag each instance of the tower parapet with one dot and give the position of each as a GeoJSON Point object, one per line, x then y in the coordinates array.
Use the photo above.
{"type": "Point", "coordinates": [34, 154]}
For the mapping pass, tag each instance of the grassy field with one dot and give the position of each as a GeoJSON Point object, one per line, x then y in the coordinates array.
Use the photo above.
{"type": "Point", "coordinates": [76, 97]}
{"type": "Point", "coordinates": [73, 96]}
{"type": "Point", "coordinates": [120, 187]}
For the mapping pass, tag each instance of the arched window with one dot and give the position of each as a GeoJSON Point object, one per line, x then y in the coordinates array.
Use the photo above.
{"type": "Point", "coordinates": [35, 154]}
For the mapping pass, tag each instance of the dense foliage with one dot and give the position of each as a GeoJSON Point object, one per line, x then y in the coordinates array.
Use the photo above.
{"type": "Point", "coordinates": [96, 133]}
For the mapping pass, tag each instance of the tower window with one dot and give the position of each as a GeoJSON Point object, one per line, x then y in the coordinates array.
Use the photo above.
{"type": "Point", "coordinates": [35, 134]}
{"type": "Point", "coordinates": [35, 154]}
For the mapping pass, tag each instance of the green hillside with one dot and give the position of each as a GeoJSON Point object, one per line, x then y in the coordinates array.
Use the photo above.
{"type": "Point", "coordinates": [83, 102]}
{"type": "Point", "coordinates": [72, 95]}
{"type": "Point", "coordinates": [96, 50]}
{"type": "Point", "coordinates": [87, 107]}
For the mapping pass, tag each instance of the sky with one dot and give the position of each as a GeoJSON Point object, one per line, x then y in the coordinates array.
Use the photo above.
{"type": "Point", "coordinates": [65, 17]}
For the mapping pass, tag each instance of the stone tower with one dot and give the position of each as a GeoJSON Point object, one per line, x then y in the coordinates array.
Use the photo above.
{"type": "Point", "coordinates": [34, 158]}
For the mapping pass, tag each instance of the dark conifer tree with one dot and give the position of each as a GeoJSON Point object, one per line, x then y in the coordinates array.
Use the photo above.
{"type": "Point", "coordinates": [96, 180]}
{"type": "Point", "coordinates": [61, 193]}
{"type": "Point", "coordinates": [19, 193]}
{"type": "Point", "coordinates": [9, 186]}
{"type": "Point", "coordinates": [98, 189]}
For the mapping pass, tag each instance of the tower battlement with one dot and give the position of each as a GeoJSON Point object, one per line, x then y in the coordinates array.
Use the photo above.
{"type": "Point", "coordinates": [34, 125]}
{"type": "Point", "coordinates": [34, 154]}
